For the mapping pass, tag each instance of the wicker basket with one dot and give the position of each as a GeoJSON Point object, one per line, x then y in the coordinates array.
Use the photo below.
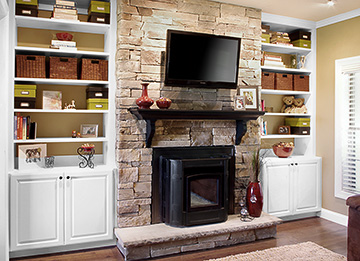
{"type": "Point", "coordinates": [30, 66]}
{"type": "Point", "coordinates": [268, 80]}
{"type": "Point", "coordinates": [283, 81]}
{"type": "Point", "coordinates": [63, 68]}
{"type": "Point", "coordinates": [94, 69]}
{"type": "Point", "coordinates": [301, 83]}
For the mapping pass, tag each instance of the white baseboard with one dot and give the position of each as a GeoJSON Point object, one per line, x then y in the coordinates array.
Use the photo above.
{"type": "Point", "coordinates": [334, 217]}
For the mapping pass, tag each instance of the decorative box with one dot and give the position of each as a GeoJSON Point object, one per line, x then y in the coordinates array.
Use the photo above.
{"type": "Point", "coordinates": [300, 35]}
{"type": "Point", "coordinates": [25, 103]}
{"type": "Point", "coordinates": [297, 122]}
{"type": "Point", "coordinates": [265, 29]}
{"type": "Point", "coordinates": [27, 2]}
{"type": "Point", "coordinates": [25, 90]}
{"type": "Point", "coordinates": [27, 10]}
{"type": "Point", "coordinates": [99, 18]}
{"type": "Point", "coordinates": [63, 68]}
{"type": "Point", "coordinates": [300, 130]}
{"type": "Point", "coordinates": [30, 66]}
{"type": "Point", "coordinates": [283, 81]}
{"type": "Point", "coordinates": [97, 93]}
{"type": "Point", "coordinates": [302, 43]}
{"type": "Point", "coordinates": [265, 38]}
{"type": "Point", "coordinates": [94, 69]}
{"type": "Point", "coordinates": [99, 7]}
{"type": "Point", "coordinates": [301, 83]}
{"type": "Point", "coordinates": [268, 80]}
{"type": "Point", "coordinates": [97, 104]}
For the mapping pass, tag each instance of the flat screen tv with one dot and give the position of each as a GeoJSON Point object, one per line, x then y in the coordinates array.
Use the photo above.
{"type": "Point", "coordinates": [201, 60]}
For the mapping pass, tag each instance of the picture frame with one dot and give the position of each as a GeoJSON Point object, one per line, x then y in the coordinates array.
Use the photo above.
{"type": "Point", "coordinates": [32, 156]}
{"type": "Point", "coordinates": [284, 130]}
{"type": "Point", "coordinates": [251, 97]}
{"type": "Point", "coordinates": [89, 130]}
{"type": "Point", "coordinates": [52, 100]}
{"type": "Point", "coordinates": [239, 103]}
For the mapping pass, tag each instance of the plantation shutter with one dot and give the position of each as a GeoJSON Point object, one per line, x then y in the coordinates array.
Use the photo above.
{"type": "Point", "coordinates": [351, 133]}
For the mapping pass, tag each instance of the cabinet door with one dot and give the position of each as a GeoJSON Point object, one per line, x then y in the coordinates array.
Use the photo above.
{"type": "Point", "coordinates": [88, 207]}
{"type": "Point", "coordinates": [277, 192]}
{"type": "Point", "coordinates": [36, 211]}
{"type": "Point", "coordinates": [307, 190]}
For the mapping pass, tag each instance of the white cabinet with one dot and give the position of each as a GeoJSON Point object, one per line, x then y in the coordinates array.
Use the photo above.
{"type": "Point", "coordinates": [291, 186]}
{"type": "Point", "coordinates": [57, 208]}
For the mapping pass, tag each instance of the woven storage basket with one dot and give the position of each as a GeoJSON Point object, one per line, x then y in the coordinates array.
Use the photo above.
{"type": "Point", "coordinates": [301, 83]}
{"type": "Point", "coordinates": [94, 69]}
{"type": "Point", "coordinates": [268, 80]}
{"type": "Point", "coordinates": [283, 81]}
{"type": "Point", "coordinates": [30, 66]}
{"type": "Point", "coordinates": [63, 68]}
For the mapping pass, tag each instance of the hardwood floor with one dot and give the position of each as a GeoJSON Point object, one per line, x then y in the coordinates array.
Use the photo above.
{"type": "Point", "coordinates": [320, 231]}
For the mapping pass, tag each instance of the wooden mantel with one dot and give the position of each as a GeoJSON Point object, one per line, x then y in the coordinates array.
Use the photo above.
{"type": "Point", "coordinates": [152, 115]}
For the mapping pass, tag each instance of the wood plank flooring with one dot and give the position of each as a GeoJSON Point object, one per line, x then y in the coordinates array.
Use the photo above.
{"type": "Point", "coordinates": [320, 231]}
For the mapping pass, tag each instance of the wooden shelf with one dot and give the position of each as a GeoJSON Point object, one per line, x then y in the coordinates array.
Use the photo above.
{"type": "Point", "coordinates": [49, 51]}
{"type": "Point", "coordinates": [61, 111]}
{"type": "Point", "coordinates": [276, 48]}
{"type": "Point", "coordinates": [62, 140]}
{"type": "Point", "coordinates": [151, 116]}
{"type": "Point", "coordinates": [61, 25]}
{"type": "Point", "coordinates": [60, 81]}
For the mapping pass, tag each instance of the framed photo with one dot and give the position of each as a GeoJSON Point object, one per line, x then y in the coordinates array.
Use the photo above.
{"type": "Point", "coordinates": [32, 156]}
{"type": "Point", "coordinates": [251, 98]}
{"type": "Point", "coordinates": [284, 130]}
{"type": "Point", "coordinates": [239, 103]}
{"type": "Point", "coordinates": [89, 130]}
{"type": "Point", "coordinates": [52, 100]}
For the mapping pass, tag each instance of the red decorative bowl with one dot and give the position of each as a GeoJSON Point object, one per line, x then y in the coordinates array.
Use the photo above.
{"type": "Point", "coordinates": [163, 103]}
{"type": "Point", "coordinates": [283, 152]}
{"type": "Point", "coordinates": [64, 36]}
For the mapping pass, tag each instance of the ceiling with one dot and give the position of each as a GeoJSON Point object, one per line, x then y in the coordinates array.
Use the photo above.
{"type": "Point", "coordinates": [313, 10]}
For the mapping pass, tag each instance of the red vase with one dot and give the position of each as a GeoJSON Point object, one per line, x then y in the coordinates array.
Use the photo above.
{"type": "Point", "coordinates": [254, 199]}
{"type": "Point", "coordinates": [144, 102]}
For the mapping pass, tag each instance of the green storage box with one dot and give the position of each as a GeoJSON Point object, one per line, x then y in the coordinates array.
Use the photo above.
{"type": "Point", "coordinates": [27, 2]}
{"type": "Point", "coordinates": [97, 104]}
{"type": "Point", "coordinates": [297, 122]}
{"type": "Point", "coordinates": [265, 38]}
{"type": "Point", "coordinates": [25, 90]}
{"type": "Point", "coordinates": [99, 7]}
{"type": "Point", "coordinates": [302, 43]}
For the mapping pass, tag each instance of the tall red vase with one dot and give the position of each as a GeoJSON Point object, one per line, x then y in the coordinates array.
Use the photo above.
{"type": "Point", "coordinates": [254, 199]}
{"type": "Point", "coordinates": [144, 102]}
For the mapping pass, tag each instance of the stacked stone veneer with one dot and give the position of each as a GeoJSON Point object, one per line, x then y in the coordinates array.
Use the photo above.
{"type": "Point", "coordinates": [142, 28]}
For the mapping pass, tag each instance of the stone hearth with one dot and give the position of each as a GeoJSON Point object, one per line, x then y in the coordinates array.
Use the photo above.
{"type": "Point", "coordinates": [160, 239]}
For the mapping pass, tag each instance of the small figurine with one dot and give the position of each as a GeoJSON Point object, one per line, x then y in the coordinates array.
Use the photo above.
{"type": "Point", "coordinates": [70, 106]}
{"type": "Point", "coordinates": [302, 61]}
{"type": "Point", "coordinates": [73, 135]}
{"type": "Point", "coordinates": [78, 135]}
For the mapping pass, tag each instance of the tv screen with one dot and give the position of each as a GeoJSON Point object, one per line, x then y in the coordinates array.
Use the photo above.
{"type": "Point", "coordinates": [201, 60]}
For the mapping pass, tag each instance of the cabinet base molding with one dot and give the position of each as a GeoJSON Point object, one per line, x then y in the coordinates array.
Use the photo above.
{"type": "Point", "coordinates": [334, 217]}
{"type": "Point", "coordinates": [51, 250]}
{"type": "Point", "coordinates": [300, 216]}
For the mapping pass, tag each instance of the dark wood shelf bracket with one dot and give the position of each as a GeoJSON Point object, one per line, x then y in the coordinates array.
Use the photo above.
{"type": "Point", "coordinates": [152, 115]}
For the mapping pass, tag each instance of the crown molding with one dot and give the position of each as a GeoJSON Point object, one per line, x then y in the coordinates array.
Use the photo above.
{"type": "Point", "coordinates": [338, 18]}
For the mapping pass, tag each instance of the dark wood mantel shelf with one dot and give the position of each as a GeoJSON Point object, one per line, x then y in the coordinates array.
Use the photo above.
{"type": "Point", "coordinates": [152, 115]}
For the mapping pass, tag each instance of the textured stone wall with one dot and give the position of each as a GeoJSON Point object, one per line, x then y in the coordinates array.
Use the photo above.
{"type": "Point", "coordinates": [142, 28]}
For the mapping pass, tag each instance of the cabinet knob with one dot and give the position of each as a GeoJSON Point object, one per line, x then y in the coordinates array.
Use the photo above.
{"type": "Point", "coordinates": [292, 164]}
{"type": "Point", "coordinates": [296, 164]}
{"type": "Point", "coordinates": [67, 177]}
{"type": "Point", "coordinates": [60, 177]}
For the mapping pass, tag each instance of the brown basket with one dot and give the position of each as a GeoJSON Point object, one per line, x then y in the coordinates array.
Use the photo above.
{"type": "Point", "coordinates": [301, 83]}
{"type": "Point", "coordinates": [94, 69]}
{"type": "Point", "coordinates": [63, 68]}
{"type": "Point", "coordinates": [268, 80]}
{"type": "Point", "coordinates": [283, 81]}
{"type": "Point", "coordinates": [30, 66]}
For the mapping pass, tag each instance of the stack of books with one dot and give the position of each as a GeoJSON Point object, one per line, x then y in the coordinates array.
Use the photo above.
{"type": "Point", "coordinates": [273, 61]}
{"type": "Point", "coordinates": [280, 38]}
{"type": "Point", "coordinates": [65, 9]}
{"type": "Point", "coordinates": [63, 45]}
{"type": "Point", "coordinates": [23, 128]}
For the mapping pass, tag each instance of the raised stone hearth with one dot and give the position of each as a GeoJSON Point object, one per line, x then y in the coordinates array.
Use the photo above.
{"type": "Point", "coordinates": [159, 239]}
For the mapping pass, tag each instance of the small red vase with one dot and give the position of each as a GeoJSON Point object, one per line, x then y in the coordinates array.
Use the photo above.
{"type": "Point", "coordinates": [254, 199]}
{"type": "Point", "coordinates": [144, 102]}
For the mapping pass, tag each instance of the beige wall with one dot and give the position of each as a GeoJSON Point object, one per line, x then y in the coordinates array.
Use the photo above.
{"type": "Point", "coordinates": [335, 41]}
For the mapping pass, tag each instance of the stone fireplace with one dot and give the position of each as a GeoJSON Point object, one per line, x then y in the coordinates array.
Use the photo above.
{"type": "Point", "coordinates": [142, 27]}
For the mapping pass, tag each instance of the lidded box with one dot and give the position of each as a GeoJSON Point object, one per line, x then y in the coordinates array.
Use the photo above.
{"type": "Point", "coordinates": [25, 90]}
{"type": "Point", "coordinates": [27, 2]}
{"type": "Point", "coordinates": [97, 104]}
{"type": "Point", "coordinates": [297, 122]}
{"type": "Point", "coordinates": [99, 7]}
{"type": "Point", "coordinates": [24, 103]}
{"type": "Point", "coordinates": [97, 93]}
{"type": "Point", "coordinates": [302, 43]}
{"type": "Point", "coordinates": [299, 34]}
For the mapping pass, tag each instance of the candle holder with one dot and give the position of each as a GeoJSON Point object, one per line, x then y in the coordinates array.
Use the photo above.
{"type": "Point", "coordinates": [86, 155]}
